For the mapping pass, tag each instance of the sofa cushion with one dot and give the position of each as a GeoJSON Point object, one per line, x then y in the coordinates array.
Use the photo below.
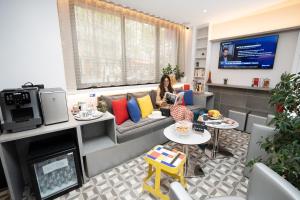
{"type": "Point", "coordinates": [194, 107]}
{"type": "Point", "coordinates": [152, 94]}
{"type": "Point", "coordinates": [138, 94]}
{"type": "Point", "coordinates": [188, 97]}
{"type": "Point", "coordinates": [130, 130]}
{"type": "Point", "coordinates": [145, 105]}
{"type": "Point", "coordinates": [119, 107]}
{"type": "Point", "coordinates": [108, 100]}
{"type": "Point", "coordinates": [153, 98]}
{"type": "Point", "coordinates": [133, 110]}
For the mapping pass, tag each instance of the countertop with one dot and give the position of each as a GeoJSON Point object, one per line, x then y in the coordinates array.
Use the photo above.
{"type": "Point", "coordinates": [72, 123]}
{"type": "Point", "coordinates": [239, 87]}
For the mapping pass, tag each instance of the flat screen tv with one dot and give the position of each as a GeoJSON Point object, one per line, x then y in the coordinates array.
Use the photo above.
{"type": "Point", "coordinates": [249, 53]}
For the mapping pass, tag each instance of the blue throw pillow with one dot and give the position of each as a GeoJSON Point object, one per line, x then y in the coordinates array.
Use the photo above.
{"type": "Point", "coordinates": [188, 97]}
{"type": "Point", "coordinates": [133, 110]}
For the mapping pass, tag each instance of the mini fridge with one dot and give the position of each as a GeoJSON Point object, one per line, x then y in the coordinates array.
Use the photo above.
{"type": "Point", "coordinates": [55, 169]}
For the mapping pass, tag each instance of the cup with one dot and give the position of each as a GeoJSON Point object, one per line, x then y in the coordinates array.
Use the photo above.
{"type": "Point", "coordinates": [205, 117]}
{"type": "Point", "coordinates": [83, 114]}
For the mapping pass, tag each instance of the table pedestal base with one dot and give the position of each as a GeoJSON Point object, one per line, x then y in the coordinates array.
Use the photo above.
{"type": "Point", "coordinates": [220, 153]}
{"type": "Point", "coordinates": [192, 167]}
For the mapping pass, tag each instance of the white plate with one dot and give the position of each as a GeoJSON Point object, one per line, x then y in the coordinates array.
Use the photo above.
{"type": "Point", "coordinates": [151, 116]}
{"type": "Point", "coordinates": [94, 115]}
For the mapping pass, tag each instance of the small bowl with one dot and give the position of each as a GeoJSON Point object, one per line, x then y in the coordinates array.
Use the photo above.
{"type": "Point", "coordinates": [183, 127]}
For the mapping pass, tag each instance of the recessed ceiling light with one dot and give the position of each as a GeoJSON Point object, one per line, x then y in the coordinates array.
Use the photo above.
{"type": "Point", "coordinates": [204, 10]}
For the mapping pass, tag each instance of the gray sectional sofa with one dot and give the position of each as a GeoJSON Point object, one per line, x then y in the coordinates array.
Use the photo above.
{"type": "Point", "coordinates": [133, 139]}
{"type": "Point", "coordinates": [130, 130]}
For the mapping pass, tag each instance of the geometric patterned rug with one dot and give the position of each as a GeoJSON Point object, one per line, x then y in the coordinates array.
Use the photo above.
{"type": "Point", "coordinates": [223, 177]}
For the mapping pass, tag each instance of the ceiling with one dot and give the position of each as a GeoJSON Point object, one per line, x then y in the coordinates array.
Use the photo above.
{"type": "Point", "coordinates": [192, 12]}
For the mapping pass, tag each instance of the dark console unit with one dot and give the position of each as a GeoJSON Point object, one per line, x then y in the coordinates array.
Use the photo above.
{"type": "Point", "coordinates": [20, 109]}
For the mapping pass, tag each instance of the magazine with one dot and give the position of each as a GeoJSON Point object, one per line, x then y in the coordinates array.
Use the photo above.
{"type": "Point", "coordinates": [173, 98]}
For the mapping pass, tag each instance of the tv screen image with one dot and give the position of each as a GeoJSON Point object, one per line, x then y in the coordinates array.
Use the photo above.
{"type": "Point", "coordinates": [249, 53]}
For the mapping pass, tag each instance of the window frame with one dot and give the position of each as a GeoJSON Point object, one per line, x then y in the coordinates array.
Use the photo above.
{"type": "Point", "coordinates": [82, 86]}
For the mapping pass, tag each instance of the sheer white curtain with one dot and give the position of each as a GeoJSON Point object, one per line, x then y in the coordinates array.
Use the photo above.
{"type": "Point", "coordinates": [98, 35]}
{"type": "Point", "coordinates": [168, 50]}
{"type": "Point", "coordinates": [107, 45]}
{"type": "Point", "coordinates": [140, 48]}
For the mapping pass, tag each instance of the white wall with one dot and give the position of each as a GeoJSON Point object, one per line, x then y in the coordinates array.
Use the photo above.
{"type": "Point", "coordinates": [283, 63]}
{"type": "Point", "coordinates": [283, 16]}
{"type": "Point", "coordinates": [30, 45]}
{"type": "Point", "coordinates": [296, 63]}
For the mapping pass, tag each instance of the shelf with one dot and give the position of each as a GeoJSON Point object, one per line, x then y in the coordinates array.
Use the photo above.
{"type": "Point", "coordinates": [199, 67]}
{"type": "Point", "coordinates": [239, 87]}
{"type": "Point", "coordinates": [201, 48]}
{"type": "Point", "coordinates": [200, 58]}
{"type": "Point", "coordinates": [97, 144]}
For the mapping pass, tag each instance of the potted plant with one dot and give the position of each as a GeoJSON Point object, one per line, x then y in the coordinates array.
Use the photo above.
{"type": "Point", "coordinates": [284, 148]}
{"type": "Point", "coordinates": [174, 73]}
{"type": "Point", "coordinates": [178, 73]}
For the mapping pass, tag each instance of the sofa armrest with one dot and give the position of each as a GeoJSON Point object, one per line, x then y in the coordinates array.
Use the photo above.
{"type": "Point", "coordinates": [177, 192]}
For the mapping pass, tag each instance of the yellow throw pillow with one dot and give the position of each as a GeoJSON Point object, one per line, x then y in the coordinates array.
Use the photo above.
{"type": "Point", "coordinates": [145, 105]}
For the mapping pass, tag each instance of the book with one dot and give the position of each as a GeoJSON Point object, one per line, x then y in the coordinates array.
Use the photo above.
{"type": "Point", "coordinates": [173, 98]}
{"type": "Point", "coordinates": [166, 156]}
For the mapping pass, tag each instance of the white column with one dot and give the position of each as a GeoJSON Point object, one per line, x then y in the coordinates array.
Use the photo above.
{"type": "Point", "coordinates": [296, 62]}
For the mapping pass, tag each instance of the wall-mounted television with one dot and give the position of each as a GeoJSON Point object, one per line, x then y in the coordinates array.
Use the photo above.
{"type": "Point", "coordinates": [248, 53]}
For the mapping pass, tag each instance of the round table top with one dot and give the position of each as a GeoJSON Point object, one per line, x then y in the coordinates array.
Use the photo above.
{"type": "Point", "coordinates": [194, 137]}
{"type": "Point", "coordinates": [220, 124]}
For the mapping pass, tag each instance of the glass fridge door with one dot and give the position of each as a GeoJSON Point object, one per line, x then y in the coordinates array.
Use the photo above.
{"type": "Point", "coordinates": [56, 175]}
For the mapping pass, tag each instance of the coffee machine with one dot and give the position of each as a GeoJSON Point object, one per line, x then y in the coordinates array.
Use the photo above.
{"type": "Point", "coordinates": [20, 109]}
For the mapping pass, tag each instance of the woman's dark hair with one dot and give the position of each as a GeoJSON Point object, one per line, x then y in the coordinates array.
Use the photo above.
{"type": "Point", "coordinates": [162, 87]}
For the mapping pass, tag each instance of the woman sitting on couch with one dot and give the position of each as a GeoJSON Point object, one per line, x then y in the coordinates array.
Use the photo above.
{"type": "Point", "coordinates": [177, 111]}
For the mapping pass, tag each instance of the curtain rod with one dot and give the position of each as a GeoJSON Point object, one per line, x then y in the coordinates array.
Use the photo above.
{"type": "Point", "coordinates": [135, 10]}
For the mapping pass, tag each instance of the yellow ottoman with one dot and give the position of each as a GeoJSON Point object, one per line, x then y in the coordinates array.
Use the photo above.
{"type": "Point", "coordinates": [168, 161]}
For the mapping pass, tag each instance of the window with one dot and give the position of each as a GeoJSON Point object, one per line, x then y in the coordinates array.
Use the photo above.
{"type": "Point", "coordinates": [99, 47]}
{"type": "Point", "coordinates": [168, 47]}
{"type": "Point", "coordinates": [140, 48]}
{"type": "Point", "coordinates": [113, 46]}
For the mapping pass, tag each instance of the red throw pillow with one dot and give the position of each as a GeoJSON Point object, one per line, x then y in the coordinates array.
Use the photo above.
{"type": "Point", "coordinates": [119, 108]}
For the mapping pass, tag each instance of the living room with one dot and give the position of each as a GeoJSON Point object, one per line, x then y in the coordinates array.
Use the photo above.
{"type": "Point", "coordinates": [150, 99]}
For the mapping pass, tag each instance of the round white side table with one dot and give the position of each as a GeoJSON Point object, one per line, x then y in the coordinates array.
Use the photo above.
{"type": "Point", "coordinates": [212, 150]}
{"type": "Point", "coordinates": [193, 138]}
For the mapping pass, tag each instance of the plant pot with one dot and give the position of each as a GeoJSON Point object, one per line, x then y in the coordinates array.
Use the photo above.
{"type": "Point", "coordinates": [173, 79]}
{"type": "Point", "coordinates": [279, 108]}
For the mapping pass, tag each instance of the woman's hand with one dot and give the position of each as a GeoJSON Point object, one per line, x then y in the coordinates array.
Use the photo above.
{"type": "Point", "coordinates": [163, 104]}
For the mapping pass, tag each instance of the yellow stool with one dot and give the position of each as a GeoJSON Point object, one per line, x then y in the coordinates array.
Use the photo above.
{"type": "Point", "coordinates": [157, 159]}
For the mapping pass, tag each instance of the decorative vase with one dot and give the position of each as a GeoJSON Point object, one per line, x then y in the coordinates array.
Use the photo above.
{"type": "Point", "coordinates": [102, 106]}
{"type": "Point", "coordinates": [209, 77]}
{"type": "Point", "coordinates": [225, 81]}
{"type": "Point", "coordinates": [279, 108]}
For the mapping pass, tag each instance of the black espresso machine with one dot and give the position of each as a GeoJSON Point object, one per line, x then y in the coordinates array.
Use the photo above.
{"type": "Point", "coordinates": [20, 109]}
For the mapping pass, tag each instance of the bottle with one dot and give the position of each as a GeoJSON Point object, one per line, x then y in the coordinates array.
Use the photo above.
{"type": "Point", "coordinates": [209, 77]}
